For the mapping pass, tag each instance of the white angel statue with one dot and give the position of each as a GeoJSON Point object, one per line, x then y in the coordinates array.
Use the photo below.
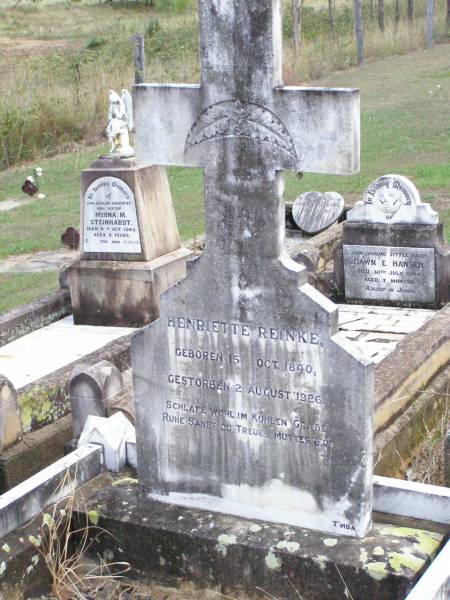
{"type": "Point", "coordinates": [120, 122]}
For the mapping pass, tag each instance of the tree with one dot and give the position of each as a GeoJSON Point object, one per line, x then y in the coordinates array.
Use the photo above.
{"type": "Point", "coordinates": [359, 33]}
{"type": "Point", "coordinates": [430, 23]}
{"type": "Point", "coordinates": [381, 14]}
{"type": "Point", "coordinates": [296, 26]}
{"type": "Point", "coordinates": [331, 17]}
{"type": "Point", "coordinates": [411, 10]}
{"type": "Point", "coordinates": [397, 14]}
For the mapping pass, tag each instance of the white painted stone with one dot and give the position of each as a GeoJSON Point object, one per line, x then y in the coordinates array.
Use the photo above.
{"type": "Point", "coordinates": [131, 452]}
{"type": "Point", "coordinates": [109, 218]}
{"type": "Point", "coordinates": [52, 484]}
{"type": "Point", "coordinates": [393, 199]}
{"type": "Point", "coordinates": [10, 423]}
{"type": "Point", "coordinates": [394, 274]}
{"type": "Point", "coordinates": [120, 123]}
{"type": "Point", "coordinates": [435, 582]}
{"type": "Point", "coordinates": [112, 434]}
{"type": "Point", "coordinates": [412, 499]}
{"type": "Point", "coordinates": [52, 347]}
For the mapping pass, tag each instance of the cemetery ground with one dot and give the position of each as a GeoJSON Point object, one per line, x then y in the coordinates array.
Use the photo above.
{"type": "Point", "coordinates": [404, 102]}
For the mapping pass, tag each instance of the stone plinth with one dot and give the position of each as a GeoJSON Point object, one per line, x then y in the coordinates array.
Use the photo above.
{"type": "Point", "coordinates": [130, 247]}
{"type": "Point", "coordinates": [245, 556]}
{"type": "Point", "coordinates": [400, 264]}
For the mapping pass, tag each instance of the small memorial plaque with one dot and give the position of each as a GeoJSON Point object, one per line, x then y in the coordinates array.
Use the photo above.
{"type": "Point", "coordinates": [389, 273]}
{"type": "Point", "coordinates": [110, 220]}
{"type": "Point", "coordinates": [313, 211]}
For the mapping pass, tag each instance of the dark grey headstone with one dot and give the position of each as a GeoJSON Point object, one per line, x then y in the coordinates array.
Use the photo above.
{"type": "Point", "coordinates": [314, 211]}
{"type": "Point", "coordinates": [241, 403]}
{"type": "Point", "coordinates": [394, 251]}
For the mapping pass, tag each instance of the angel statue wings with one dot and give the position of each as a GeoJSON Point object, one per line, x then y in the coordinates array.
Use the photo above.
{"type": "Point", "coordinates": [120, 122]}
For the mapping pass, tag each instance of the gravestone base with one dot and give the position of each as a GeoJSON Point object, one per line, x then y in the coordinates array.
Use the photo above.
{"type": "Point", "coordinates": [409, 239]}
{"type": "Point", "coordinates": [120, 293]}
{"type": "Point", "coordinates": [240, 556]}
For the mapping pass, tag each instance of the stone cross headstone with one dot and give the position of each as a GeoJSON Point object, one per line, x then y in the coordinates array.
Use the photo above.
{"type": "Point", "coordinates": [313, 211]}
{"type": "Point", "coordinates": [130, 247]}
{"type": "Point", "coordinates": [393, 248]}
{"type": "Point", "coordinates": [248, 401]}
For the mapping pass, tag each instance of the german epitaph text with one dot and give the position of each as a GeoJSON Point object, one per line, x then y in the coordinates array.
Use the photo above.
{"type": "Point", "coordinates": [248, 401]}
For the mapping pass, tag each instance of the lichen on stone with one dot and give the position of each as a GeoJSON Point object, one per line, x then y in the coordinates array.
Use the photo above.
{"type": "Point", "coordinates": [272, 561]}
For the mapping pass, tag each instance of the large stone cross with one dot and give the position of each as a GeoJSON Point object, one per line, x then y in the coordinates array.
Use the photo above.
{"type": "Point", "coordinates": [241, 403]}
{"type": "Point", "coordinates": [241, 121]}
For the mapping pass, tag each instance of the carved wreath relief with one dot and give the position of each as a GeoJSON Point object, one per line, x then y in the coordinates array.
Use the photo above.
{"type": "Point", "coordinates": [239, 119]}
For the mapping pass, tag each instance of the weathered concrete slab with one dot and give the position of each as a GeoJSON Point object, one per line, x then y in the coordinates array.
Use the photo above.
{"type": "Point", "coordinates": [435, 582]}
{"type": "Point", "coordinates": [377, 330]}
{"type": "Point", "coordinates": [52, 347]}
{"type": "Point", "coordinates": [170, 543]}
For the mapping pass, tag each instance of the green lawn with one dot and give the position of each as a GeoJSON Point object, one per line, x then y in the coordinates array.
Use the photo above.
{"type": "Point", "coordinates": [405, 129]}
{"type": "Point", "coordinates": [20, 288]}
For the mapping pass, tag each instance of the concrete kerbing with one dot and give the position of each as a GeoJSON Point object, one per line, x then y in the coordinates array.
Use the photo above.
{"type": "Point", "coordinates": [411, 499]}
{"type": "Point", "coordinates": [407, 370]}
{"type": "Point", "coordinates": [435, 582]}
{"type": "Point", "coordinates": [394, 445]}
{"type": "Point", "coordinates": [28, 499]}
{"type": "Point", "coordinates": [34, 315]}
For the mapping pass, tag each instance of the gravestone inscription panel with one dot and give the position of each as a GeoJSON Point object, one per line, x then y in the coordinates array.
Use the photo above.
{"type": "Point", "coordinates": [110, 220]}
{"type": "Point", "coordinates": [241, 403]}
{"type": "Point", "coordinates": [389, 273]}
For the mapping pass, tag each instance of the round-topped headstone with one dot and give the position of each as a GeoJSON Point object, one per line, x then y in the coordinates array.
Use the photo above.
{"type": "Point", "coordinates": [315, 211]}
{"type": "Point", "coordinates": [392, 199]}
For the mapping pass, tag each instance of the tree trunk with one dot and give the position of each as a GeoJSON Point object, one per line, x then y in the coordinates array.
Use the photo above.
{"type": "Point", "coordinates": [397, 14]}
{"type": "Point", "coordinates": [371, 11]}
{"type": "Point", "coordinates": [381, 14]}
{"type": "Point", "coordinates": [411, 10]}
{"type": "Point", "coordinates": [331, 24]}
{"type": "Point", "coordinates": [430, 23]}
{"type": "Point", "coordinates": [448, 17]}
{"type": "Point", "coordinates": [359, 31]}
{"type": "Point", "coordinates": [296, 26]}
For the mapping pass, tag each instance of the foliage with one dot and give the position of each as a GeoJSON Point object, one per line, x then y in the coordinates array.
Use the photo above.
{"type": "Point", "coordinates": [152, 27]}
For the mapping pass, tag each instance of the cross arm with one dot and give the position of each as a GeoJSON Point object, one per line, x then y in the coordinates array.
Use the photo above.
{"type": "Point", "coordinates": [324, 126]}
{"type": "Point", "coordinates": [163, 116]}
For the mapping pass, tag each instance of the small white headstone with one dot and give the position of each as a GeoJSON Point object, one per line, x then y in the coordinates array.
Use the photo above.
{"type": "Point", "coordinates": [393, 199]}
{"type": "Point", "coordinates": [110, 221]}
{"type": "Point", "coordinates": [314, 211]}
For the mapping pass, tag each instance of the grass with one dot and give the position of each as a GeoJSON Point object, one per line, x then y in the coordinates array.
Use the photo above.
{"type": "Point", "coordinates": [58, 96]}
{"type": "Point", "coordinates": [64, 57]}
{"type": "Point", "coordinates": [20, 288]}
